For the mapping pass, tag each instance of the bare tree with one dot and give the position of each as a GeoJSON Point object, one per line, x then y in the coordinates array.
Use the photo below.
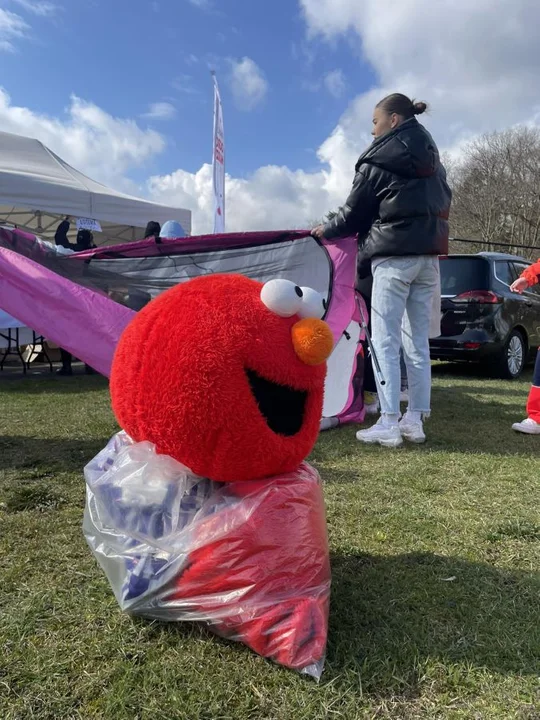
{"type": "Point", "coordinates": [496, 188]}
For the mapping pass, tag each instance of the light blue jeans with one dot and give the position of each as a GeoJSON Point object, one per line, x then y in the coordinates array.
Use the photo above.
{"type": "Point", "coordinates": [401, 308]}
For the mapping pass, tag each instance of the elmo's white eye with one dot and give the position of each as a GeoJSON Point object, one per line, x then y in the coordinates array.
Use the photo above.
{"type": "Point", "coordinates": [313, 304]}
{"type": "Point", "coordinates": [282, 297]}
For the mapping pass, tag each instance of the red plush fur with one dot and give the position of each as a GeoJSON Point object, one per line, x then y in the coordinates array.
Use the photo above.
{"type": "Point", "coordinates": [179, 380]}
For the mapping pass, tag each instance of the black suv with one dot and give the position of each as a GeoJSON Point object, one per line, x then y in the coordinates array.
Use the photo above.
{"type": "Point", "coordinates": [481, 319]}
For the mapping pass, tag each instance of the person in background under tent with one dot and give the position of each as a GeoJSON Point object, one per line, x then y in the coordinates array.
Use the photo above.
{"type": "Point", "coordinates": [531, 424]}
{"type": "Point", "coordinates": [153, 229]}
{"type": "Point", "coordinates": [172, 230]}
{"type": "Point", "coordinates": [84, 241]}
{"type": "Point", "coordinates": [60, 237]}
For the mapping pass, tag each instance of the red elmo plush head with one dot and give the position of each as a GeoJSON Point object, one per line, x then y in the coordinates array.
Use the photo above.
{"type": "Point", "coordinates": [226, 375]}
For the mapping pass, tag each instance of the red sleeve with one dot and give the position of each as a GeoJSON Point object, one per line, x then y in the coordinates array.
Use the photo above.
{"type": "Point", "coordinates": [532, 274]}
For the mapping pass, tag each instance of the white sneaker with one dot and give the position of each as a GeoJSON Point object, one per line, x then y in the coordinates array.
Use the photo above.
{"type": "Point", "coordinates": [412, 431]}
{"type": "Point", "coordinates": [528, 426]}
{"type": "Point", "coordinates": [380, 434]}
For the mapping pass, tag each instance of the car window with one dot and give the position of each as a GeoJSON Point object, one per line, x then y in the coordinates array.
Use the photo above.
{"type": "Point", "coordinates": [505, 272]}
{"type": "Point", "coordinates": [520, 267]}
{"type": "Point", "coordinates": [463, 274]}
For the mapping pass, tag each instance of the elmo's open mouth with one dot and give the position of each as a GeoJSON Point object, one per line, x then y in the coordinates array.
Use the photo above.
{"type": "Point", "coordinates": [282, 407]}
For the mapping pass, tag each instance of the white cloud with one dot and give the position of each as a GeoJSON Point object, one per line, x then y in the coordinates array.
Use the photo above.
{"type": "Point", "coordinates": [203, 4]}
{"type": "Point", "coordinates": [303, 52]}
{"type": "Point", "coordinates": [100, 145]}
{"type": "Point", "coordinates": [161, 111]}
{"type": "Point", "coordinates": [184, 84]}
{"type": "Point", "coordinates": [479, 75]}
{"type": "Point", "coordinates": [37, 7]}
{"type": "Point", "coordinates": [248, 83]}
{"type": "Point", "coordinates": [273, 197]}
{"type": "Point", "coordinates": [334, 82]}
{"type": "Point", "coordinates": [12, 27]}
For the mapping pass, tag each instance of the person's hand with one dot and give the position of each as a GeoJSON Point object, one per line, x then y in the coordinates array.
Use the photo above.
{"type": "Point", "coordinates": [318, 232]}
{"type": "Point", "coordinates": [519, 285]}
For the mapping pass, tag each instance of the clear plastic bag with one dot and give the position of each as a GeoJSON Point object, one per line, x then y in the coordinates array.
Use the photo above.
{"type": "Point", "coordinates": [249, 559]}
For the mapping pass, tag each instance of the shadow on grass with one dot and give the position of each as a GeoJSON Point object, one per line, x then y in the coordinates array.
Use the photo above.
{"type": "Point", "coordinates": [41, 384]}
{"type": "Point", "coordinates": [482, 404]}
{"type": "Point", "coordinates": [75, 385]}
{"type": "Point", "coordinates": [473, 371]}
{"type": "Point", "coordinates": [42, 457]}
{"type": "Point", "coordinates": [391, 614]}
{"type": "Point", "coordinates": [517, 393]}
{"type": "Point", "coordinates": [464, 423]}
{"type": "Point", "coordinates": [460, 423]}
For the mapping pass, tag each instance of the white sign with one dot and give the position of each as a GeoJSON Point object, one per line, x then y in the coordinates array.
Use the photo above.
{"type": "Point", "coordinates": [218, 163]}
{"type": "Point", "coordinates": [88, 224]}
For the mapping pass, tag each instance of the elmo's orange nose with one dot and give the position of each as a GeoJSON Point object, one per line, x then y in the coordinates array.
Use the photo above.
{"type": "Point", "coordinates": [313, 341]}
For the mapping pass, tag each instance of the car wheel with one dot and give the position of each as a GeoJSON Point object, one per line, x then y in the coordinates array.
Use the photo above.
{"type": "Point", "coordinates": [513, 357]}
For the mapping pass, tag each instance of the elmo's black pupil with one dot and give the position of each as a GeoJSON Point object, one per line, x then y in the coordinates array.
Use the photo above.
{"type": "Point", "coordinates": [298, 291]}
{"type": "Point", "coordinates": [325, 304]}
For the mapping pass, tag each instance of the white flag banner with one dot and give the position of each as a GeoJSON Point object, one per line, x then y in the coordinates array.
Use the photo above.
{"type": "Point", "coordinates": [218, 163]}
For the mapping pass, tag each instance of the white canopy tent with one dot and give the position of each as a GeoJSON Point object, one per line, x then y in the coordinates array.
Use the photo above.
{"type": "Point", "coordinates": [38, 190]}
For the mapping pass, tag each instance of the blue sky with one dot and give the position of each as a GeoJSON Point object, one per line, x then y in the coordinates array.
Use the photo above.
{"type": "Point", "coordinates": [125, 55]}
{"type": "Point", "coordinates": [121, 90]}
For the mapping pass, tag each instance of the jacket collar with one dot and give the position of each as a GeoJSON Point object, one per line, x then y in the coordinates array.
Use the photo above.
{"type": "Point", "coordinates": [383, 139]}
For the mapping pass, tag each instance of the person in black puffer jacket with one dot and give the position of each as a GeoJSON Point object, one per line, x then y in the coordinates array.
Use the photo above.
{"type": "Point", "coordinates": [399, 207]}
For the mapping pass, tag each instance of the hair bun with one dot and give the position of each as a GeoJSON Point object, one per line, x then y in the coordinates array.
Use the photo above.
{"type": "Point", "coordinates": [419, 108]}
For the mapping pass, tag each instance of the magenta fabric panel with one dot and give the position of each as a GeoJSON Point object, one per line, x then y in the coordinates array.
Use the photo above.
{"type": "Point", "coordinates": [149, 247]}
{"type": "Point", "coordinates": [24, 243]}
{"type": "Point", "coordinates": [84, 322]}
{"type": "Point", "coordinates": [342, 303]}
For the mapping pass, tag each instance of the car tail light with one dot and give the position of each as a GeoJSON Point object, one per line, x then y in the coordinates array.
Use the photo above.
{"type": "Point", "coordinates": [471, 346]}
{"type": "Point", "coordinates": [485, 297]}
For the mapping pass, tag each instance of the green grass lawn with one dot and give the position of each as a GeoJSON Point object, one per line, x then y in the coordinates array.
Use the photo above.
{"type": "Point", "coordinates": [435, 608]}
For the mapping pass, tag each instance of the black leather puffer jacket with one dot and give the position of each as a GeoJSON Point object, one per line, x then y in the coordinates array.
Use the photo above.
{"type": "Point", "coordinates": [400, 200]}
